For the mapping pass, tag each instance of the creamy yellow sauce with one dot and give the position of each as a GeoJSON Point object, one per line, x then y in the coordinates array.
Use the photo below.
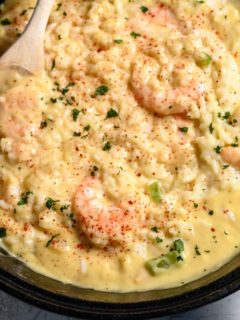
{"type": "Point", "coordinates": [126, 148]}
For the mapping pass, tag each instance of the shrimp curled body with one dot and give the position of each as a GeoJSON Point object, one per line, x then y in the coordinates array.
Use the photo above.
{"type": "Point", "coordinates": [102, 224]}
{"type": "Point", "coordinates": [232, 156]}
{"type": "Point", "coordinates": [162, 98]}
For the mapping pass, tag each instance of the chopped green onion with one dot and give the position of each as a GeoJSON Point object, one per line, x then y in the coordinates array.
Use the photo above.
{"type": "Point", "coordinates": [154, 192]}
{"type": "Point", "coordinates": [204, 59]}
{"type": "Point", "coordinates": [158, 265]}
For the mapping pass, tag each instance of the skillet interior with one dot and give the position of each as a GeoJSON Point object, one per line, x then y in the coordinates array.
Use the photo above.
{"type": "Point", "coordinates": [18, 280]}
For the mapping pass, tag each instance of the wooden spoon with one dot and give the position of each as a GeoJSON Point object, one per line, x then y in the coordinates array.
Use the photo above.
{"type": "Point", "coordinates": [27, 53]}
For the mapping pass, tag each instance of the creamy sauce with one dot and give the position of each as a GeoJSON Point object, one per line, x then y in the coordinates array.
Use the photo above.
{"type": "Point", "coordinates": [126, 148]}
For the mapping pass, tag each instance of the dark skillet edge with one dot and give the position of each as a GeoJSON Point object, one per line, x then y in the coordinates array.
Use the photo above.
{"type": "Point", "coordinates": [140, 310]}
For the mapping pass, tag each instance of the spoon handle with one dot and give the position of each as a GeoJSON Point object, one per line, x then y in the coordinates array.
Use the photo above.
{"type": "Point", "coordinates": [28, 51]}
{"type": "Point", "coordinates": [38, 22]}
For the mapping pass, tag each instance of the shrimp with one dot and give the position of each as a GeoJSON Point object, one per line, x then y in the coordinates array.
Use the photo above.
{"type": "Point", "coordinates": [20, 120]}
{"type": "Point", "coordinates": [232, 156]}
{"type": "Point", "coordinates": [167, 94]}
{"type": "Point", "coordinates": [162, 15]}
{"type": "Point", "coordinates": [101, 223]}
{"type": "Point", "coordinates": [19, 116]}
{"type": "Point", "coordinates": [156, 18]}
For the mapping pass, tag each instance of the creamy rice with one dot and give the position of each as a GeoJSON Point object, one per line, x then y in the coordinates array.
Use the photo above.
{"type": "Point", "coordinates": [126, 148]}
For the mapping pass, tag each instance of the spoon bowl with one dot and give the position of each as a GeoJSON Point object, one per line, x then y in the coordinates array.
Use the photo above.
{"type": "Point", "coordinates": [27, 53]}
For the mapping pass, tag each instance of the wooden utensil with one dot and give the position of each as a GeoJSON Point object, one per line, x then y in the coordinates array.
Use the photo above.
{"type": "Point", "coordinates": [27, 53]}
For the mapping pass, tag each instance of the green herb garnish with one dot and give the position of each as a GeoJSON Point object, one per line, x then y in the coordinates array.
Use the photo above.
{"type": "Point", "coordinates": [5, 22]}
{"type": "Point", "coordinates": [135, 35]}
{"type": "Point", "coordinates": [75, 114]}
{"type": "Point", "coordinates": [144, 9]}
{"type": "Point", "coordinates": [178, 245]}
{"type": "Point", "coordinates": [158, 265]}
{"type": "Point", "coordinates": [3, 232]}
{"type": "Point", "coordinates": [101, 91]}
{"type": "Point", "coordinates": [184, 129]}
{"type": "Point", "coordinates": [107, 146]}
{"type": "Point", "coordinates": [204, 59]}
{"type": "Point", "coordinates": [24, 198]}
{"type": "Point", "coordinates": [198, 253]}
{"type": "Point", "coordinates": [218, 149]}
{"type": "Point", "coordinates": [51, 240]}
{"type": "Point", "coordinates": [51, 204]}
{"type": "Point", "coordinates": [112, 114]}
{"type": "Point", "coordinates": [118, 41]}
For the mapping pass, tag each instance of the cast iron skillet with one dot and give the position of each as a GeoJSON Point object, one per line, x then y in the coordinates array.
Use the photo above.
{"type": "Point", "coordinates": [23, 283]}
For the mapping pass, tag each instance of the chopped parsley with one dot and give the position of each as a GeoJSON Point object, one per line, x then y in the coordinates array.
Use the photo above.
{"type": "Point", "coordinates": [198, 253]}
{"type": "Point", "coordinates": [75, 114]}
{"type": "Point", "coordinates": [154, 229]}
{"type": "Point", "coordinates": [211, 129]}
{"type": "Point", "coordinates": [218, 149]}
{"type": "Point", "coordinates": [135, 35]}
{"type": "Point", "coordinates": [3, 232]}
{"type": "Point", "coordinates": [184, 129]}
{"type": "Point", "coordinates": [225, 166]}
{"type": "Point", "coordinates": [112, 114]}
{"type": "Point", "coordinates": [159, 240]}
{"type": "Point", "coordinates": [87, 128]}
{"type": "Point", "coordinates": [118, 41]}
{"type": "Point", "coordinates": [178, 245]}
{"type": "Point", "coordinates": [65, 89]}
{"type": "Point", "coordinates": [51, 204]}
{"type": "Point", "coordinates": [195, 205]}
{"type": "Point", "coordinates": [94, 171]}
{"type": "Point", "coordinates": [101, 91]}
{"type": "Point", "coordinates": [77, 134]}
{"type": "Point", "coordinates": [58, 6]}
{"type": "Point", "coordinates": [22, 13]}
{"type": "Point", "coordinates": [144, 9]}
{"type": "Point", "coordinates": [5, 22]}
{"type": "Point", "coordinates": [43, 124]}
{"type": "Point", "coordinates": [107, 146]}
{"type": "Point", "coordinates": [53, 64]}
{"type": "Point", "coordinates": [226, 115]}
{"type": "Point", "coordinates": [64, 207]}
{"type": "Point", "coordinates": [51, 240]}
{"type": "Point", "coordinates": [24, 198]}
{"type": "Point", "coordinates": [235, 144]}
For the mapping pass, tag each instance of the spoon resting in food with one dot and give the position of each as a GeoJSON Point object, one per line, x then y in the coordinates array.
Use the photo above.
{"type": "Point", "coordinates": [27, 53]}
